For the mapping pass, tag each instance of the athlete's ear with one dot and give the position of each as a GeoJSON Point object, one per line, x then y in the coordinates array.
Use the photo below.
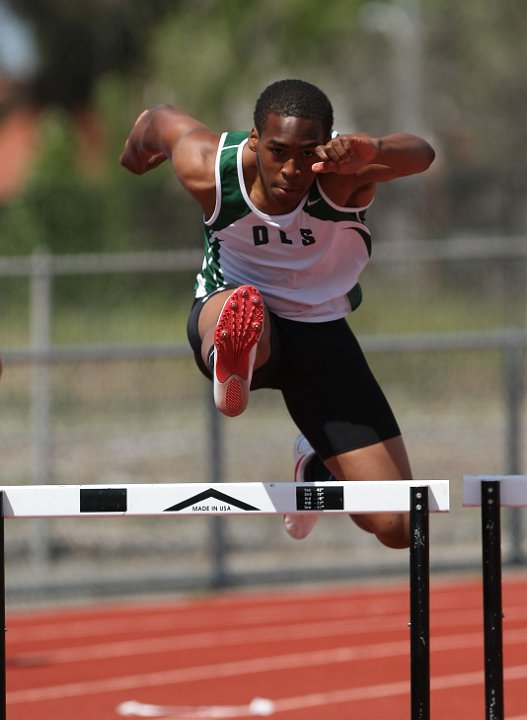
{"type": "Point", "coordinates": [252, 141]}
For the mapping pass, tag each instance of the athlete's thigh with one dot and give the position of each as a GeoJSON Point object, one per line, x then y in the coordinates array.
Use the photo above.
{"type": "Point", "coordinates": [202, 314]}
{"type": "Point", "coordinates": [329, 389]}
{"type": "Point", "coordinates": [386, 460]}
{"type": "Point", "coordinates": [200, 330]}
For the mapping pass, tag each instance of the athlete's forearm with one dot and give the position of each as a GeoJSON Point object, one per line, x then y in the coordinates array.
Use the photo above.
{"type": "Point", "coordinates": [404, 153]}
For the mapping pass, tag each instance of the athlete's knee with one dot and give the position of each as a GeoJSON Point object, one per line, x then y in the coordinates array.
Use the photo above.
{"type": "Point", "coordinates": [391, 529]}
{"type": "Point", "coordinates": [394, 531]}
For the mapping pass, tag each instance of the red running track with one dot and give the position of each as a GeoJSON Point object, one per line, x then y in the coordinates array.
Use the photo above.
{"type": "Point", "coordinates": [322, 654]}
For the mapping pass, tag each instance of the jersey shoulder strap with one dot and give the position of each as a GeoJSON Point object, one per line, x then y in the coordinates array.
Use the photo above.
{"type": "Point", "coordinates": [233, 205]}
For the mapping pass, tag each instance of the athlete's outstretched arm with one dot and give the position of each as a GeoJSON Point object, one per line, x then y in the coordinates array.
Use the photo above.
{"type": "Point", "coordinates": [166, 133]}
{"type": "Point", "coordinates": [350, 166]}
{"type": "Point", "coordinates": [374, 159]}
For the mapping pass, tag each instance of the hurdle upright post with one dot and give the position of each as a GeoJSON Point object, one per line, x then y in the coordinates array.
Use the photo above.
{"type": "Point", "coordinates": [419, 604]}
{"type": "Point", "coordinates": [492, 598]}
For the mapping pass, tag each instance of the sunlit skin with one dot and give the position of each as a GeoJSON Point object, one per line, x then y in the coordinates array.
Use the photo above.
{"type": "Point", "coordinates": [278, 177]}
{"type": "Point", "coordinates": [285, 152]}
{"type": "Point", "coordinates": [280, 163]}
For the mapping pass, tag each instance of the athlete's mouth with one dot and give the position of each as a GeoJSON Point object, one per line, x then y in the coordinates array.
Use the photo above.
{"type": "Point", "coordinates": [288, 189]}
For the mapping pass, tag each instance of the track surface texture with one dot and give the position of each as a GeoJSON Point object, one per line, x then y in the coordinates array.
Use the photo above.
{"type": "Point", "coordinates": [293, 655]}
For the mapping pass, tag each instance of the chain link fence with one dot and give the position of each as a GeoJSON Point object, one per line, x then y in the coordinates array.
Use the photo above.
{"type": "Point", "coordinates": [137, 410]}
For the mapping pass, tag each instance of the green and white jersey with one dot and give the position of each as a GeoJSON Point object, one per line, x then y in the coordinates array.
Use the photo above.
{"type": "Point", "coordinates": [306, 264]}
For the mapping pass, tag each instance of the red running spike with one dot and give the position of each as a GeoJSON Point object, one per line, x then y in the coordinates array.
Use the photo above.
{"type": "Point", "coordinates": [238, 331]}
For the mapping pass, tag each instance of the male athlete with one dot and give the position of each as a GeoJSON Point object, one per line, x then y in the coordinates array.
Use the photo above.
{"type": "Point", "coordinates": [284, 209]}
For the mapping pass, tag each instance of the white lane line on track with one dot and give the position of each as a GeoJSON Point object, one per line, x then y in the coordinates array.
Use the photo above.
{"type": "Point", "coordinates": [181, 619]}
{"type": "Point", "coordinates": [220, 638]}
{"type": "Point", "coordinates": [381, 614]}
{"type": "Point", "coordinates": [298, 631]}
{"type": "Point", "coordinates": [445, 682]}
{"type": "Point", "coordinates": [272, 610]}
{"type": "Point", "coordinates": [149, 624]}
{"type": "Point", "coordinates": [259, 706]}
{"type": "Point", "coordinates": [204, 672]}
{"type": "Point", "coordinates": [274, 663]}
{"type": "Point", "coordinates": [334, 697]}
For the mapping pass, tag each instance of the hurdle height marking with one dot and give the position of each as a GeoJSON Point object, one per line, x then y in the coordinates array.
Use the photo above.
{"type": "Point", "coordinates": [261, 498]}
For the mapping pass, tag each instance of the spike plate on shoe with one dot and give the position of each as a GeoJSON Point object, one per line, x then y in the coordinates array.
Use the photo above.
{"type": "Point", "coordinates": [236, 338]}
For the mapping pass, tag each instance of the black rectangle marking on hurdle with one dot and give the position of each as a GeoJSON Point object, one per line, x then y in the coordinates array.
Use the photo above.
{"type": "Point", "coordinates": [101, 500]}
{"type": "Point", "coordinates": [319, 498]}
{"type": "Point", "coordinates": [492, 599]}
{"type": "Point", "coordinates": [419, 604]}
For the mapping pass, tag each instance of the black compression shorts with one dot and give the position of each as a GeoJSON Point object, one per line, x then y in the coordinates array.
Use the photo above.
{"type": "Point", "coordinates": [328, 387]}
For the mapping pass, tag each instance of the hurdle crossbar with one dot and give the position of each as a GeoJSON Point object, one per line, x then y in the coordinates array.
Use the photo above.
{"type": "Point", "coordinates": [257, 498]}
{"type": "Point", "coordinates": [265, 498]}
{"type": "Point", "coordinates": [491, 493]}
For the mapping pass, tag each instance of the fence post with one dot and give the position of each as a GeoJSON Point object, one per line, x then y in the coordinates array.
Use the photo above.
{"type": "Point", "coordinates": [514, 393]}
{"type": "Point", "coordinates": [40, 329]}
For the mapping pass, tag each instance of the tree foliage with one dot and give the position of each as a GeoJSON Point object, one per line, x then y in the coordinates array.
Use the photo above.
{"type": "Point", "coordinates": [78, 43]}
{"type": "Point", "coordinates": [212, 57]}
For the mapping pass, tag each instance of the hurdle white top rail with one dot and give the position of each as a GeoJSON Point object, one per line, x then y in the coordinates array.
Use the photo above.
{"type": "Point", "coordinates": [256, 498]}
{"type": "Point", "coordinates": [513, 489]}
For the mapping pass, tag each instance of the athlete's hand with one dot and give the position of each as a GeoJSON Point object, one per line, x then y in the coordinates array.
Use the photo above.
{"type": "Point", "coordinates": [346, 154]}
{"type": "Point", "coordinates": [136, 156]}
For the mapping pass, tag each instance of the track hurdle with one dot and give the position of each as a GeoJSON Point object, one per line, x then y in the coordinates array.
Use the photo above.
{"type": "Point", "coordinates": [267, 498]}
{"type": "Point", "coordinates": [491, 493]}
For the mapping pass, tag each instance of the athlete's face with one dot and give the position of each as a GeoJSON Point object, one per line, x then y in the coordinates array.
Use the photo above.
{"type": "Point", "coordinates": [285, 152]}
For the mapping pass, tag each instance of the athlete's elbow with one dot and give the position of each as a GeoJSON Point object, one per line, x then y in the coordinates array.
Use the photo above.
{"type": "Point", "coordinates": [427, 156]}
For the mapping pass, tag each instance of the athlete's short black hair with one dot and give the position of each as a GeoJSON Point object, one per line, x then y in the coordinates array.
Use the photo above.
{"type": "Point", "coordinates": [294, 98]}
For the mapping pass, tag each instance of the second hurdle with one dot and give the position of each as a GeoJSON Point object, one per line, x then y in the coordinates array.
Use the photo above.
{"type": "Point", "coordinates": [491, 493]}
